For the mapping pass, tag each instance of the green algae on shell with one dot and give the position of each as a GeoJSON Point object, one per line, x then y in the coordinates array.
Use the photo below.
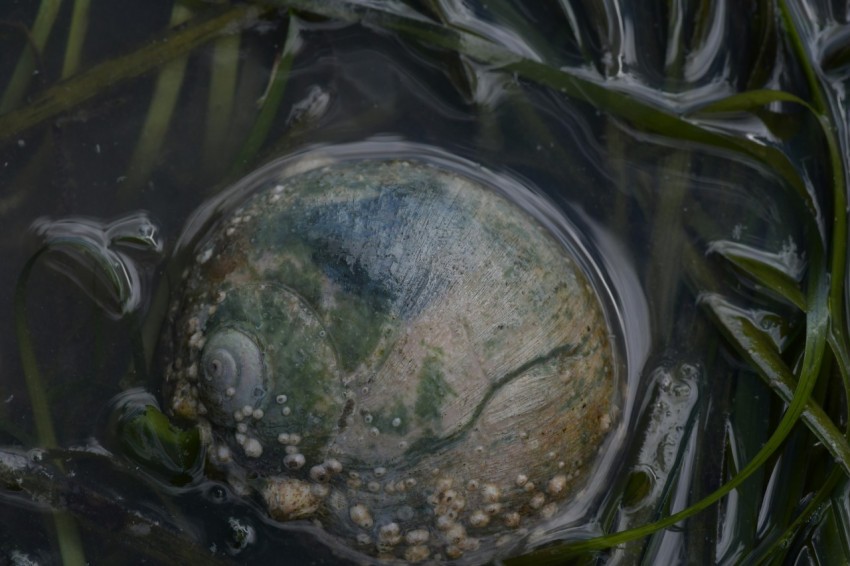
{"type": "Point", "coordinates": [398, 352]}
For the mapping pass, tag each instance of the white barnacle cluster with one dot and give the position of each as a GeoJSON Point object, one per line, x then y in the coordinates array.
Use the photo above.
{"type": "Point", "coordinates": [251, 446]}
{"type": "Point", "coordinates": [388, 538]}
{"type": "Point", "coordinates": [406, 534]}
{"type": "Point", "coordinates": [322, 473]}
{"type": "Point", "coordinates": [241, 216]}
{"type": "Point", "coordinates": [196, 335]}
{"type": "Point", "coordinates": [183, 372]}
{"type": "Point", "coordinates": [276, 193]}
{"type": "Point", "coordinates": [461, 515]}
{"type": "Point", "coordinates": [448, 504]}
{"type": "Point", "coordinates": [205, 255]}
{"type": "Point", "coordinates": [285, 410]}
{"type": "Point", "coordinates": [294, 459]}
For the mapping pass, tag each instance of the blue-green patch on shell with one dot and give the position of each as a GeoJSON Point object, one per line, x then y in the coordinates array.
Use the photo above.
{"type": "Point", "coordinates": [406, 356]}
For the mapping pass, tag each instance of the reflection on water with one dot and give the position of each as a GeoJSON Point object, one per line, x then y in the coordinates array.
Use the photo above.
{"type": "Point", "coordinates": [652, 211]}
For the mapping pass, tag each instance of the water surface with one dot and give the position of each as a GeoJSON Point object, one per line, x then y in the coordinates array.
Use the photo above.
{"type": "Point", "coordinates": [644, 210]}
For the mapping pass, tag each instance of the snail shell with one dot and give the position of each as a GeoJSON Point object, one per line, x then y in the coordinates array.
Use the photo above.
{"type": "Point", "coordinates": [397, 351]}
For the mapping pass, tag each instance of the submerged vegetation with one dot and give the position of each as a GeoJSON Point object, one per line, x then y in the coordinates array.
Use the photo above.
{"type": "Point", "coordinates": [719, 137]}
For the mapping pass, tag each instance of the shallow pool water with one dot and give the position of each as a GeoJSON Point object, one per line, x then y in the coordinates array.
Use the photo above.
{"type": "Point", "coordinates": [598, 110]}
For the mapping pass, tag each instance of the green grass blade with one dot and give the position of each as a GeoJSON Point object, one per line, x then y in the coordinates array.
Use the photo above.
{"type": "Point", "coordinates": [819, 101]}
{"type": "Point", "coordinates": [70, 547]}
{"type": "Point", "coordinates": [838, 157]}
{"type": "Point", "coordinates": [765, 62]}
{"type": "Point", "coordinates": [755, 101]}
{"type": "Point", "coordinates": [746, 434]}
{"type": "Point", "coordinates": [751, 100]}
{"type": "Point", "coordinates": [769, 551]}
{"type": "Point", "coordinates": [76, 37]}
{"type": "Point", "coordinates": [270, 102]}
{"type": "Point", "coordinates": [755, 347]}
{"type": "Point", "coordinates": [829, 540]}
{"type": "Point", "coordinates": [842, 358]}
{"type": "Point", "coordinates": [83, 87]}
{"type": "Point", "coordinates": [22, 75]}
{"type": "Point", "coordinates": [766, 269]}
{"type": "Point", "coordinates": [841, 504]}
{"type": "Point", "coordinates": [164, 100]}
{"type": "Point", "coordinates": [664, 276]}
{"type": "Point", "coordinates": [35, 384]}
{"type": "Point", "coordinates": [224, 69]}
{"type": "Point", "coordinates": [148, 437]}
